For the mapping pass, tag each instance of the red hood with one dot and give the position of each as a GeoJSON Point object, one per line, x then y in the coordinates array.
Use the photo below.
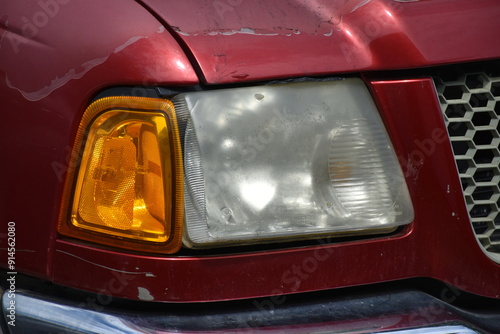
{"type": "Point", "coordinates": [244, 40]}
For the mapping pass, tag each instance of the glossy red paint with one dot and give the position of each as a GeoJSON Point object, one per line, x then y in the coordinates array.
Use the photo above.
{"type": "Point", "coordinates": [47, 78]}
{"type": "Point", "coordinates": [423, 249]}
{"type": "Point", "coordinates": [445, 240]}
{"type": "Point", "coordinates": [242, 40]}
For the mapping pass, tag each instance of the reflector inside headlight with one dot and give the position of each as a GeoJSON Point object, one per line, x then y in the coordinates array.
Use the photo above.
{"type": "Point", "coordinates": [288, 161]}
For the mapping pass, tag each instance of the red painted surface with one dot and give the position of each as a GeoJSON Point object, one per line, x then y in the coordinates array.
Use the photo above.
{"type": "Point", "coordinates": [245, 40]}
{"type": "Point", "coordinates": [440, 243]}
{"type": "Point", "coordinates": [444, 234]}
{"type": "Point", "coordinates": [47, 80]}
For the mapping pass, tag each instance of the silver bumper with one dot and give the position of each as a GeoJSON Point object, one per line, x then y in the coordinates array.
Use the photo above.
{"type": "Point", "coordinates": [408, 312]}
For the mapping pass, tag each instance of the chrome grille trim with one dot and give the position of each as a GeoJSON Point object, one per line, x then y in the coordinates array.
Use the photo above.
{"type": "Point", "coordinates": [470, 103]}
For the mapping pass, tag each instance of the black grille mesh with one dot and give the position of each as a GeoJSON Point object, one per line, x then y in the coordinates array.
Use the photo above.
{"type": "Point", "coordinates": [470, 102]}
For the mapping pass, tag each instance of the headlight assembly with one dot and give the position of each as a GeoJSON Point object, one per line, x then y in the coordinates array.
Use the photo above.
{"type": "Point", "coordinates": [289, 161]}
{"type": "Point", "coordinates": [260, 164]}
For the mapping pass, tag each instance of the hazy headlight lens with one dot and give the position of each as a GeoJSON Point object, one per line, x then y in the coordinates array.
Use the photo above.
{"type": "Point", "coordinates": [288, 161]}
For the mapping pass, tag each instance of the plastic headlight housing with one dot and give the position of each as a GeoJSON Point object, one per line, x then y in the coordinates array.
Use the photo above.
{"type": "Point", "coordinates": [257, 165]}
{"type": "Point", "coordinates": [129, 185]}
{"type": "Point", "coordinates": [290, 161]}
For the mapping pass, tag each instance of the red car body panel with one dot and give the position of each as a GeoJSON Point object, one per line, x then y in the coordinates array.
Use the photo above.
{"type": "Point", "coordinates": [47, 81]}
{"type": "Point", "coordinates": [423, 249]}
{"type": "Point", "coordinates": [120, 43]}
{"type": "Point", "coordinates": [239, 40]}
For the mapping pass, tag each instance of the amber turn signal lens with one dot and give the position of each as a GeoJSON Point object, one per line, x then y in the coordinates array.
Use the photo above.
{"type": "Point", "coordinates": [129, 186]}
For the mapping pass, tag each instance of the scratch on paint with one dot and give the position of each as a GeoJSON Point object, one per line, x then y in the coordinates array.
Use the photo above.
{"type": "Point", "coordinates": [144, 294]}
{"type": "Point", "coordinates": [359, 5]}
{"type": "Point", "coordinates": [350, 6]}
{"type": "Point", "coordinates": [113, 269]}
{"type": "Point", "coordinates": [57, 82]}
{"type": "Point", "coordinates": [129, 42]}
{"type": "Point", "coordinates": [245, 31]}
{"type": "Point", "coordinates": [73, 73]}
